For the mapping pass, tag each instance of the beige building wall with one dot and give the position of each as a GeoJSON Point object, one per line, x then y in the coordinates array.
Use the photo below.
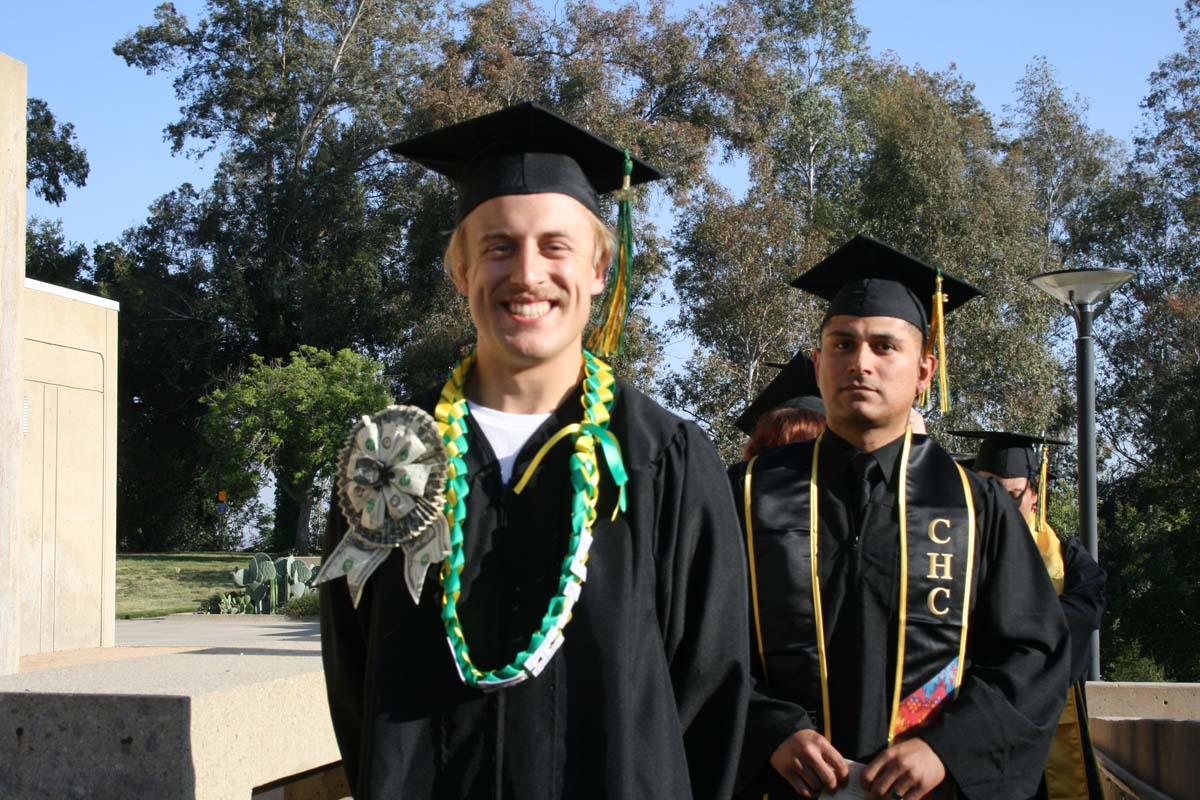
{"type": "Point", "coordinates": [12, 276]}
{"type": "Point", "coordinates": [67, 543]}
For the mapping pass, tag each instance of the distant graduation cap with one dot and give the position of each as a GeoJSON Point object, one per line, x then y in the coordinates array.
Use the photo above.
{"type": "Point", "coordinates": [528, 149]}
{"type": "Point", "coordinates": [794, 387]}
{"type": "Point", "coordinates": [867, 278]}
{"type": "Point", "coordinates": [1015, 455]}
{"type": "Point", "coordinates": [1007, 454]}
{"type": "Point", "coordinates": [523, 149]}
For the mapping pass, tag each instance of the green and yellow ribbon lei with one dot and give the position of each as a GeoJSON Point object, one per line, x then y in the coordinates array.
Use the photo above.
{"type": "Point", "coordinates": [451, 416]}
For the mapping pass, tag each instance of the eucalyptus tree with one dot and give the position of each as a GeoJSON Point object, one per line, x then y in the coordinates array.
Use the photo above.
{"type": "Point", "coordinates": [54, 159]}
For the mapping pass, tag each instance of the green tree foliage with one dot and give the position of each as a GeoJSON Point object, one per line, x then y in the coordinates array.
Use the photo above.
{"type": "Point", "coordinates": [935, 185]}
{"type": "Point", "coordinates": [840, 143]}
{"type": "Point", "coordinates": [733, 259]}
{"type": "Point", "coordinates": [290, 420]}
{"type": "Point", "coordinates": [1146, 220]}
{"type": "Point", "coordinates": [51, 258]}
{"type": "Point", "coordinates": [171, 345]}
{"type": "Point", "coordinates": [1066, 164]}
{"type": "Point", "coordinates": [787, 115]}
{"type": "Point", "coordinates": [54, 159]}
{"type": "Point", "coordinates": [791, 107]}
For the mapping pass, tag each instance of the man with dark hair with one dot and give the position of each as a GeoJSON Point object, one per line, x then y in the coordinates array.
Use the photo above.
{"type": "Point", "coordinates": [899, 607]}
{"type": "Point", "coordinates": [586, 635]}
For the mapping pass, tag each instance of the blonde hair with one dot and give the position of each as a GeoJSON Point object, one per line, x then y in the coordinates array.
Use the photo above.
{"type": "Point", "coordinates": [604, 237]}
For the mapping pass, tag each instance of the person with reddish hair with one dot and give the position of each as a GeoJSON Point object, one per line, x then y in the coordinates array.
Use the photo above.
{"type": "Point", "coordinates": [789, 423]}
{"type": "Point", "coordinates": [789, 409]}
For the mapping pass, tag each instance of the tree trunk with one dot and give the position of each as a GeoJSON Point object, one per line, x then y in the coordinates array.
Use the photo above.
{"type": "Point", "coordinates": [301, 497]}
{"type": "Point", "coordinates": [301, 545]}
{"type": "Point", "coordinates": [284, 530]}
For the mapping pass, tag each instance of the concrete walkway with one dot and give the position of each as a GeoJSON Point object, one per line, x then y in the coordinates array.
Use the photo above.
{"type": "Point", "coordinates": [219, 630]}
{"type": "Point", "coordinates": [232, 634]}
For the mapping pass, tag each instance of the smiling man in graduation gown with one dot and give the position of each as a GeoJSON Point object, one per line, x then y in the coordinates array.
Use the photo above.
{"type": "Point", "coordinates": [587, 636]}
{"type": "Point", "coordinates": [1010, 458]}
{"type": "Point", "coordinates": [899, 608]}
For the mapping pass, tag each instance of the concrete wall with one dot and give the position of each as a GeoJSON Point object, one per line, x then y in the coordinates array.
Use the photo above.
{"type": "Point", "coordinates": [12, 275]}
{"type": "Point", "coordinates": [1151, 731]}
{"type": "Point", "coordinates": [1143, 700]}
{"type": "Point", "coordinates": [68, 535]}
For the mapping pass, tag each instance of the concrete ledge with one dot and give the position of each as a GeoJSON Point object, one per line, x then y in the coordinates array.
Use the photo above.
{"type": "Point", "coordinates": [1143, 700]}
{"type": "Point", "coordinates": [206, 723]}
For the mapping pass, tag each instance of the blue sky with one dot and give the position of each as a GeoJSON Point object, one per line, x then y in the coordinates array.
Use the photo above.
{"type": "Point", "coordinates": [1104, 50]}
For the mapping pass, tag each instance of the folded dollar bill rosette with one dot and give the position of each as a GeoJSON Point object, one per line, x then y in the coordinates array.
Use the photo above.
{"type": "Point", "coordinates": [391, 480]}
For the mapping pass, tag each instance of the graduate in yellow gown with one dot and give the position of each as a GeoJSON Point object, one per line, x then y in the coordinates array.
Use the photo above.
{"type": "Point", "coordinates": [1013, 460]}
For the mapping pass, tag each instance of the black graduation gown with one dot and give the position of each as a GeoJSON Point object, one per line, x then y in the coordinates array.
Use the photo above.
{"type": "Point", "coordinates": [646, 698]}
{"type": "Point", "coordinates": [1082, 602]}
{"type": "Point", "coordinates": [993, 738]}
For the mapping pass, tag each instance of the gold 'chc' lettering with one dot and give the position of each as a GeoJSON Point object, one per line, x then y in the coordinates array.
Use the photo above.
{"type": "Point", "coordinates": [940, 563]}
{"type": "Point", "coordinates": [933, 526]}
{"type": "Point", "coordinates": [931, 601]}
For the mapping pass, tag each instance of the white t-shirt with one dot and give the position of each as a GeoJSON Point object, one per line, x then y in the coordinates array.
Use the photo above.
{"type": "Point", "coordinates": [506, 433]}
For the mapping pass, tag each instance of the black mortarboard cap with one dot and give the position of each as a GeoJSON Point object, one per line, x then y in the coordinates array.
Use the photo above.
{"type": "Point", "coordinates": [523, 149]}
{"type": "Point", "coordinates": [1009, 455]}
{"type": "Point", "coordinates": [867, 278]}
{"type": "Point", "coordinates": [794, 387]}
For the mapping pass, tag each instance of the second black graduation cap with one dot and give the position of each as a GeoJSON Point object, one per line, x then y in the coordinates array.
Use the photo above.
{"type": "Point", "coordinates": [867, 278]}
{"type": "Point", "coordinates": [523, 149]}
{"type": "Point", "coordinates": [1007, 454]}
{"type": "Point", "coordinates": [795, 386]}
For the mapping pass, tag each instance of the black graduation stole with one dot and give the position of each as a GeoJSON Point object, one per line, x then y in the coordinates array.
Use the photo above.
{"type": "Point", "coordinates": [937, 557]}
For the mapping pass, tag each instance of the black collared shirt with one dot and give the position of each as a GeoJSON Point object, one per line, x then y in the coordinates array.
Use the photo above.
{"type": "Point", "coordinates": [859, 578]}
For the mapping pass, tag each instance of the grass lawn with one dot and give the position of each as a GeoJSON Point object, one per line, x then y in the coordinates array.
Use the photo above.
{"type": "Point", "coordinates": [166, 583]}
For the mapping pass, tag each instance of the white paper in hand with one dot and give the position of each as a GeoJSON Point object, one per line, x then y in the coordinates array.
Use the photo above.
{"type": "Point", "coordinates": [853, 788]}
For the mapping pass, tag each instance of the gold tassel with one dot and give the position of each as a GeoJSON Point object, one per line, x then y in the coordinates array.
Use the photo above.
{"type": "Point", "coordinates": [939, 326]}
{"type": "Point", "coordinates": [607, 338]}
{"type": "Point", "coordinates": [936, 345]}
{"type": "Point", "coordinates": [1042, 481]}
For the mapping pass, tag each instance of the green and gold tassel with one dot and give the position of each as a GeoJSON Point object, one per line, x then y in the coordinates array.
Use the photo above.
{"type": "Point", "coordinates": [607, 339]}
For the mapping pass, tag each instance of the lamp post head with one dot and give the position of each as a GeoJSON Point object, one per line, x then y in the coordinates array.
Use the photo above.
{"type": "Point", "coordinates": [1081, 287]}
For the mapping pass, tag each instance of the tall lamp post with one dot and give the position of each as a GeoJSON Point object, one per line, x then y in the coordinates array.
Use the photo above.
{"type": "Point", "coordinates": [1086, 293]}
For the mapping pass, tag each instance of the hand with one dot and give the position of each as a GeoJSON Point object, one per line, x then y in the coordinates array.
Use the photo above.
{"type": "Point", "coordinates": [909, 769]}
{"type": "Point", "coordinates": [809, 763]}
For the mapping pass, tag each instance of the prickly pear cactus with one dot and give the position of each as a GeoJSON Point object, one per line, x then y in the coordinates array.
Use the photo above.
{"type": "Point", "coordinates": [271, 584]}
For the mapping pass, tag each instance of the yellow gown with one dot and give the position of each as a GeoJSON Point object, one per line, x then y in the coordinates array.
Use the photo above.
{"type": "Point", "coordinates": [1070, 769]}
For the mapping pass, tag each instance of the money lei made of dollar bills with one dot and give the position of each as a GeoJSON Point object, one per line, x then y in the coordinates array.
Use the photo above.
{"type": "Point", "coordinates": [391, 477]}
